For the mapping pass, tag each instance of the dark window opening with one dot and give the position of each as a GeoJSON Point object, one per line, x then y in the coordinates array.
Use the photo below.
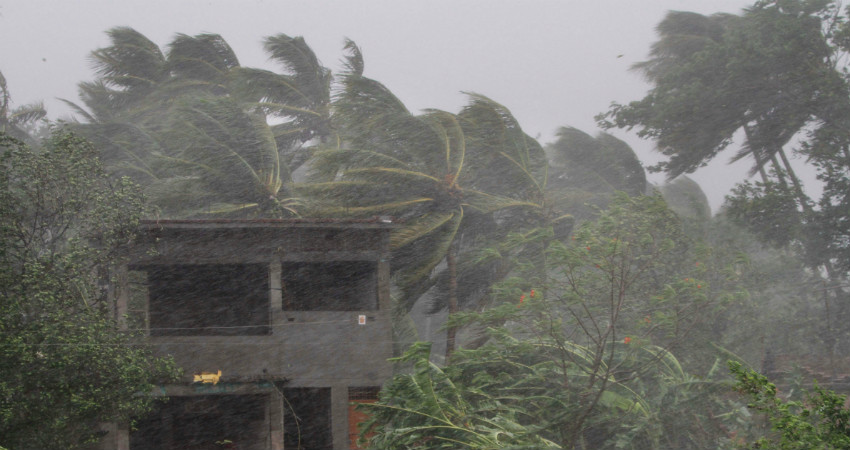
{"type": "Point", "coordinates": [307, 419]}
{"type": "Point", "coordinates": [210, 299]}
{"type": "Point", "coordinates": [330, 286]}
{"type": "Point", "coordinates": [204, 422]}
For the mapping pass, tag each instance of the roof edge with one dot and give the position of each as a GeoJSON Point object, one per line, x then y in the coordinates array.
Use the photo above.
{"type": "Point", "coordinates": [374, 222]}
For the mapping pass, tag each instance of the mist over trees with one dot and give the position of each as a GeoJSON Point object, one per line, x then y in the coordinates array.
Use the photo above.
{"type": "Point", "coordinates": [587, 307]}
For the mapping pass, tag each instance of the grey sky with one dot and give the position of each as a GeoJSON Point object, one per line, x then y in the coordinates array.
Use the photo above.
{"type": "Point", "coordinates": [553, 63]}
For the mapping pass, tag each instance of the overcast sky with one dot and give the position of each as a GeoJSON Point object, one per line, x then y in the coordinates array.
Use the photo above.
{"type": "Point", "coordinates": [553, 63]}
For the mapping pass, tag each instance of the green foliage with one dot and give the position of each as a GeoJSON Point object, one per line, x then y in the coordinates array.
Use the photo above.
{"type": "Point", "coordinates": [766, 210]}
{"type": "Point", "coordinates": [719, 74]}
{"type": "Point", "coordinates": [16, 122]}
{"type": "Point", "coordinates": [687, 199]}
{"type": "Point", "coordinates": [822, 421]}
{"type": "Point", "coordinates": [439, 171]}
{"type": "Point", "coordinates": [232, 157]}
{"type": "Point", "coordinates": [600, 164]}
{"type": "Point", "coordinates": [194, 127]}
{"type": "Point", "coordinates": [777, 75]}
{"type": "Point", "coordinates": [66, 366]}
{"type": "Point", "coordinates": [431, 408]}
{"type": "Point", "coordinates": [579, 350]}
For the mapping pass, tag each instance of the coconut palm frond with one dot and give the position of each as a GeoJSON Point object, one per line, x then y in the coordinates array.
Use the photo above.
{"type": "Point", "coordinates": [393, 208]}
{"type": "Point", "coordinates": [430, 250]}
{"type": "Point", "coordinates": [328, 164]}
{"type": "Point", "coordinates": [353, 60]}
{"type": "Point", "coordinates": [27, 114]}
{"type": "Point", "coordinates": [393, 176]}
{"type": "Point", "coordinates": [500, 150]}
{"type": "Point", "coordinates": [259, 85]}
{"type": "Point", "coordinates": [78, 110]}
{"type": "Point", "coordinates": [418, 228]}
{"type": "Point", "coordinates": [449, 131]}
{"type": "Point", "coordinates": [132, 61]}
{"type": "Point", "coordinates": [358, 198]}
{"type": "Point", "coordinates": [299, 61]}
{"type": "Point", "coordinates": [484, 202]}
{"type": "Point", "coordinates": [202, 57]}
{"type": "Point", "coordinates": [239, 146]}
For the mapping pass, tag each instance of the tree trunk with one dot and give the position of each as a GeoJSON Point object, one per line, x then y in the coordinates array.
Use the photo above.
{"type": "Point", "coordinates": [757, 156]}
{"type": "Point", "coordinates": [780, 173]}
{"type": "Point", "coordinates": [798, 187]}
{"type": "Point", "coordinates": [451, 332]}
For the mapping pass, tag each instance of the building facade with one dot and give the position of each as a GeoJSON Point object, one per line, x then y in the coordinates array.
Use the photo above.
{"type": "Point", "coordinates": [279, 325]}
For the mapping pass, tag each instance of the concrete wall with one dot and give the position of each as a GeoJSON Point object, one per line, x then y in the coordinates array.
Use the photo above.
{"type": "Point", "coordinates": [306, 348]}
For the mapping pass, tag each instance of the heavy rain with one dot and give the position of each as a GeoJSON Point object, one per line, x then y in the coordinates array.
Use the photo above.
{"type": "Point", "coordinates": [424, 225]}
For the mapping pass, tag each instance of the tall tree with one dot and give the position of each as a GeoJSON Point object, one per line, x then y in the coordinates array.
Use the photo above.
{"type": "Point", "coordinates": [300, 96]}
{"type": "Point", "coordinates": [177, 120]}
{"type": "Point", "coordinates": [768, 73]}
{"type": "Point", "coordinates": [418, 167]}
{"type": "Point", "coordinates": [66, 366]}
{"type": "Point", "coordinates": [773, 75]}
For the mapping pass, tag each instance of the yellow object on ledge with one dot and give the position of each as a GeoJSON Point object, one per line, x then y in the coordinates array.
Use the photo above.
{"type": "Point", "coordinates": [207, 377]}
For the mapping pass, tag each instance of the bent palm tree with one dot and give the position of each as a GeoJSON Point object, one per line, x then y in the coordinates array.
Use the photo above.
{"type": "Point", "coordinates": [300, 96]}
{"type": "Point", "coordinates": [192, 125]}
{"type": "Point", "coordinates": [228, 160]}
{"type": "Point", "coordinates": [412, 166]}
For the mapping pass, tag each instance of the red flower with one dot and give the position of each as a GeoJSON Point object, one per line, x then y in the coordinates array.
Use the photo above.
{"type": "Point", "coordinates": [521, 298]}
{"type": "Point", "coordinates": [699, 286]}
{"type": "Point", "coordinates": [627, 339]}
{"type": "Point", "coordinates": [531, 293]}
{"type": "Point", "coordinates": [588, 248]}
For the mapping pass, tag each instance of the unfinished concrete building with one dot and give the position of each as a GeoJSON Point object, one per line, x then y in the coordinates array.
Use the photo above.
{"type": "Point", "coordinates": [279, 326]}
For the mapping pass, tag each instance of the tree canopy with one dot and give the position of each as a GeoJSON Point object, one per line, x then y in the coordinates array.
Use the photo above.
{"type": "Point", "coordinates": [66, 366]}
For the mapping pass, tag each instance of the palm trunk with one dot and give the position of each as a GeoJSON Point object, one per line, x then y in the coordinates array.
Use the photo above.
{"type": "Point", "coordinates": [780, 173]}
{"type": "Point", "coordinates": [451, 332]}
{"type": "Point", "coordinates": [798, 187]}
{"type": "Point", "coordinates": [759, 161]}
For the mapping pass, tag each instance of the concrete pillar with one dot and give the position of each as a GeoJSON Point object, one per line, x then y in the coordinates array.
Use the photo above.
{"type": "Point", "coordinates": [275, 295]}
{"type": "Point", "coordinates": [384, 302]}
{"type": "Point", "coordinates": [122, 437]}
{"type": "Point", "coordinates": [339, 416]}
{"type": "Point", "coordinates": [275, 417]}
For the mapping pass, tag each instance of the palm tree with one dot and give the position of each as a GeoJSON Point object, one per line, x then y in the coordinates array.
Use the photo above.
{"type": "Point", "coordinates": [417, 167]}
{"type": "Point", "coordinates": [191, 123]}
{"type": "Point", "coordinates": [14, 121]}
{"type": "Point", "coordinates": [126, 105]}
{"type": "Point", "coordinates": [300, 96]}
{"type": "Point", "coordinates": [226, 159]}
{"type": "Point", "coordinates": [582, 176]}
